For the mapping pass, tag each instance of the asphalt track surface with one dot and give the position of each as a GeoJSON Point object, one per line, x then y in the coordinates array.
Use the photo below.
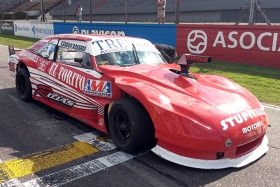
{"type": "Point", "coordinates": [40, 146]}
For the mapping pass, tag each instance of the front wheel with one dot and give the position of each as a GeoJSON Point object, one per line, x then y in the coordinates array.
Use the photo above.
{"type": "Point", "coordinates": [23, 85]}
{"type": "Point", "coordinates": [130, 126]}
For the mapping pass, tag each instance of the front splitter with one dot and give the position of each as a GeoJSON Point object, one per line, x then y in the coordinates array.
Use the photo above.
{"type": "Point", "coordinates": [214, 164]}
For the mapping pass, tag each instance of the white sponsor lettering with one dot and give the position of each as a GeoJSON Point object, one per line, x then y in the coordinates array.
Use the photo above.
{"type": "Point", "coordinates": [252, 127]}
{"type": "Point", "coordinates": [6, 27]}
{"type": "Point", "coordinates": [29, 55]}
{"type": "Point", "coordinates": [251, 37]}
{"type": "Point", "coordinates": [242, 117]}
{"type": "Point", "coordinates": [60, 100]}
{"type": "Point", "coordinates": [67, 76]}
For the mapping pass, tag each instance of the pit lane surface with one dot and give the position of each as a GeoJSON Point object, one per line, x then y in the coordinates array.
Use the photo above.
{"type": "Point", "coordinates": [40, 146]}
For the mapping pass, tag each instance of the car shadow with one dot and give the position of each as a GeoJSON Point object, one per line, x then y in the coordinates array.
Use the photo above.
{"type": "Point", "coordinates": [183, 175]}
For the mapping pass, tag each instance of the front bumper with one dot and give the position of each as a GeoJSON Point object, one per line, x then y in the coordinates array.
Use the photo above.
{"type": "Point", "coordinates": [214, 164]}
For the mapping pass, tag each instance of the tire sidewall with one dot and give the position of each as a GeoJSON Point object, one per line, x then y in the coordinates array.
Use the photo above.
{"type": "Point", "coordinates": [28, 95]}
{"type": "Point", "coordinates": [142, 130]}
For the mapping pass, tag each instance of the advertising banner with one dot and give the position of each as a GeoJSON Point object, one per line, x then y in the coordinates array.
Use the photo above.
{"type": "Point", "coordinates": [155, 33]}
{"type": "Point", "coordinates": [6, 27]}
{"type": "Point", "coordinates": [22, 28]}
{"type": "Point", "coordinates": [33, 29]}
{"type": "Point", "coordinates": [258, 45]}
{"type": "Point", "coordinates": [41, 30]}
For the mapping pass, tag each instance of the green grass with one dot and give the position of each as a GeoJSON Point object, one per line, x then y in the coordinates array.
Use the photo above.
{"type": "Point", "coordinates": [16, 41]}
{"type": "Point", "coordinates": [263, 82]}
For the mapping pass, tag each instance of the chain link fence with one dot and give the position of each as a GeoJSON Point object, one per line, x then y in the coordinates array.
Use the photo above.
{"type": "Point", "coordinates": [189, 11]}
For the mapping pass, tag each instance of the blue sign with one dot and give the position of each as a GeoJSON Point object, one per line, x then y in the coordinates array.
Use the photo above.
{"type": "Point", "coordinates": [155, 33]}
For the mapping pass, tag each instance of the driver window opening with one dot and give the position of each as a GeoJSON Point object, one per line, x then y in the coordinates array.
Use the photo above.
{"type": "Point", "coordinates": [73, 58]}
{"type": "Point", "coordinates": [48, 51]}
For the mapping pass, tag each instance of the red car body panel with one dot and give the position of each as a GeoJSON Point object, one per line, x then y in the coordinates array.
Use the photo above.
{"type": "Point", "coordinates": [193, 118]}
{"type": "Point", "coordinates": [177, 125]}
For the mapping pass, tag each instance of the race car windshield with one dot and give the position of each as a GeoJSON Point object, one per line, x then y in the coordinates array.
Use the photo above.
{"type": "Point", "coordinates": [129, 58]}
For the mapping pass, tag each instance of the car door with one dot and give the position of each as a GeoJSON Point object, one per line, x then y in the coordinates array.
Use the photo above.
{"type": "Point", "coordinates": [74, 83]}
{"type": "Point", "coordinates": [45, 85]}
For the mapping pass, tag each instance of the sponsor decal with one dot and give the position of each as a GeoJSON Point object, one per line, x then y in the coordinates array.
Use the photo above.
{"type": "Point", "coordinates": [114, 45]}
{"type": "Point", "coordinates": [67, 76]}
{"type": "Point", "coordinates": [6, 26]}
{"type": "Point", "coordinates": [200, 38]}
{"type": "Point", "coordinates": [78, 118]}
{"type": "Point", "coordinates": [101, 122]}
{"type": "Point", "coordinates": [76, 30]}
{"type": "Point", "coordinates": [29, 55]}
{"type": "Point", "coordinates": [252, 127]}
{"type": "Point", "coordinates": [47, 93]}
{"type": "Point", "coordinates": [73, 46]}
{"type": "Point", "coordinates": [193, 58]}
{"type": "Point", "coordinates": [42, 64]}
{"type": "Point", "coordinates": [46, 31]}
{"type": "Point", "coordinates": [197, 41]}
{"type": "Point", "coordinates": [98, 88]}
{"type": "Point", "coordinates": [21, 28]}
{"type": "Point", "coordinates": [242, 117]}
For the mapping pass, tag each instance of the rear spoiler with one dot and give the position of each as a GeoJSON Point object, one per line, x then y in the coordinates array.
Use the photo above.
{"type": "Point", "coordinates": [186, 60]}
{"type": "Point", "coordinates": [190, 59]}
{"type": "Point", "coordinates": [12, 50]}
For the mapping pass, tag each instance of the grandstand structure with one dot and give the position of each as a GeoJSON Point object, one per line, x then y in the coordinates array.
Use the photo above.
{"type": "Point", "coordinates": [30, 7]}
{"type": "Point", "coordinates": [191, 11]}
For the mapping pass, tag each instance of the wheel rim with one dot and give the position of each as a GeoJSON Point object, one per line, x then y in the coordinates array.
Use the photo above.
{"type": "Point", "coordinates": [22, 85]}
{"type": "Point", "coordinates": [122, 126]}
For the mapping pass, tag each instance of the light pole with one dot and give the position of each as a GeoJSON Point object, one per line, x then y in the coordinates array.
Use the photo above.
{"type": "Point", "coordinates": [26, 13]}
{"type": "Point", "coordinates": [252, 10]}
{"type": "Point", "coordinates": [63, 10]}
{"type": "Point", "coordinates": [2, 9]}
{"type": "Point", "coordinates": [42, 11]}
{"type": "Point", "coordinates": [125, 11]}
{"type": "Point", "coordinates": [90, 11]}
{"type": "Point", "coordinates": [13, 2]}
{"type": "Point", "coordinates": [178, 6]}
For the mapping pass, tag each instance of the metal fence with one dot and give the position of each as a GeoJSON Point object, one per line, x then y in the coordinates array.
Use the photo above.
{"type": "Point", "coordinates": [252, 12]}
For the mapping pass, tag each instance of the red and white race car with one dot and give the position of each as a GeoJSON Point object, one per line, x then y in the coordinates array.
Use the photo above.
{"type": "Point", "coordinates": [122, 86]}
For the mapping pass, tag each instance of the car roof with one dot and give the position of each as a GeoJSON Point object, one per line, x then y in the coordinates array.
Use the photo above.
{"type": "Point", "coordinates": [84, 37]}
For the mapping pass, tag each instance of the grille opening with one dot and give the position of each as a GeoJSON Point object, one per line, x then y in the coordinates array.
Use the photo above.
{"type": "Point", "coordinates": [246, 148]}
{"type": "Point", "coordinates": [220, 155]}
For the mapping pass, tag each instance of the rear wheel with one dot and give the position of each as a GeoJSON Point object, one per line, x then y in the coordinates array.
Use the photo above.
{"type": "Point", "coordinates": [23, 85]}
{"type": "Point", "coordinates": [130, 126]}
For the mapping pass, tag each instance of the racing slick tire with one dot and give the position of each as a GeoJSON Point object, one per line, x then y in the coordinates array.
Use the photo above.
{"type": "Point", "coordinates": [130, 126]}
{"type": "Point", "coordinates": [23, 85]}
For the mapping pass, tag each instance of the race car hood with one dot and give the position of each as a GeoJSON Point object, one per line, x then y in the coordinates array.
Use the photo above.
{"type": "Point", "coordinates": [212, 89]}
{"type": "Point", "coordinates": [210, 101]}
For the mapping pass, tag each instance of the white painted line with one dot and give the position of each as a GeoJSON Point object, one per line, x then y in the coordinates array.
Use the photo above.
{"type": "Point", "coordinates": [92, 139]}
{"type": "Point", "coordinates": [272, 107]}
{"type": "Point", "coordinates": [12, 183]}
{"type": "Point", "coordinates": [73, 173]}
